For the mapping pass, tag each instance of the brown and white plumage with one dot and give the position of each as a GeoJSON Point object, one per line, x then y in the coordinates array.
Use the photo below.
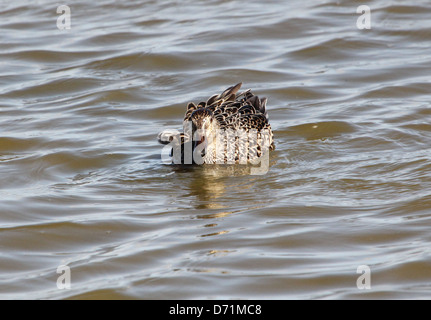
{"type": "Point", "coordinates": [222, 122]}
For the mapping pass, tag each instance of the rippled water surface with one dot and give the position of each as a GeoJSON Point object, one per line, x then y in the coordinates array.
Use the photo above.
{"type": "Point", "coordinates": [82, 183]}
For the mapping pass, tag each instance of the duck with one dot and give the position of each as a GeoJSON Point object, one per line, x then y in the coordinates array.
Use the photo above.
{"type": "Point", "coordinates": [228, 128]}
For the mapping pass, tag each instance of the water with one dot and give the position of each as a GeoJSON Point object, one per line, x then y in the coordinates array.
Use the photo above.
{"type": "Point", "coordinates": [82, 183]}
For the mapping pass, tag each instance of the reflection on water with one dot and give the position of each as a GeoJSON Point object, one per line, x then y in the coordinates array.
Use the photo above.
{"type": "Point", "coordinates": [207, 189]}
{"type": "Point", "coordinates": [82, 183]}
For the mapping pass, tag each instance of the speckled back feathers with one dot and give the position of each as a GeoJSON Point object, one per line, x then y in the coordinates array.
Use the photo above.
{"type": "Point", "coordinates": [237, 111]}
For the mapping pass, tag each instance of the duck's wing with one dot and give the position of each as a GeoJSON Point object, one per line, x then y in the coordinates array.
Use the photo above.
{"type": "Point", "coordinates": [236, 110]}
{"type": "Point", "coordinates": [215, 101]}
{"type": "Point", "coordinates": [247, 112]}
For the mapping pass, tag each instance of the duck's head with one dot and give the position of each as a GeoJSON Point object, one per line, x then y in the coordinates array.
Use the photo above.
{"type": "Point", "coordinates": [204, 127]}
